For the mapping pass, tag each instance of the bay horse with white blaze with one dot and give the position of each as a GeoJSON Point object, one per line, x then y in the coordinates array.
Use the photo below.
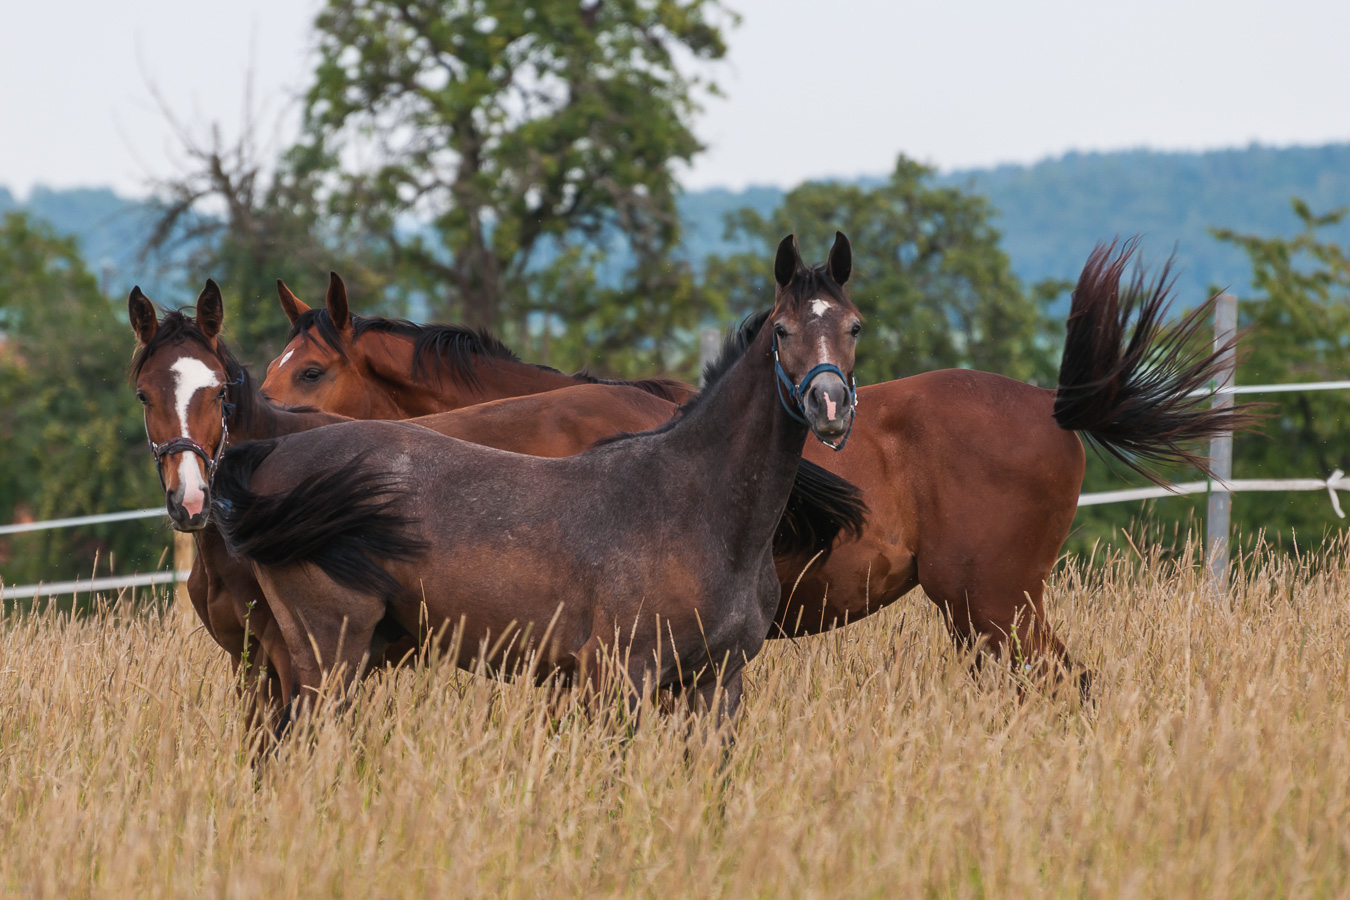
{"type": "Point", "coordinates": [658, 545]}
{"type": "Point", "coordinates": [972, 479]}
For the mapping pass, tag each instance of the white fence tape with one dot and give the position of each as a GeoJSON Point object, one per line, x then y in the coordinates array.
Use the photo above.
{"type": "Point", "coordinates": [83, 520]}
{"type": "Point", "coordinates": [1282, 388]}
{"type": "Point", "coordinates": [89, 585]}
{"type": "Point", "coordinates": [1337, 482]}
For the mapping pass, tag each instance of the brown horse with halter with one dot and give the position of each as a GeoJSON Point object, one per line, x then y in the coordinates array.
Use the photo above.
{"type": "Point", "coordinates": [972, 479]}
{"type": "Point", "coordinates": [658, 545]}
{"type": "Point", "coordinates": [197, 397]}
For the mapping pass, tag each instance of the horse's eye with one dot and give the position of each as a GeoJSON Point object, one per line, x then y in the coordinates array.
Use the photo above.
{"type": "Point", "coordinates": [140, 395]}
{"type": "Point", "coordinates": [780, 331]}
{"type": "Point", "coordinates": [312, 374]}
{"type": "Point", "coordinates": [856, 329]}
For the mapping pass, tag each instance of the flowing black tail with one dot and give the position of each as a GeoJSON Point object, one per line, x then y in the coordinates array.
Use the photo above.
{"type": "Point", "coordinates": [821, 507]}
{"type": "Point", "coordinates": [342, 521]}
{"type": "Point", "coordinates": [1144, 402]}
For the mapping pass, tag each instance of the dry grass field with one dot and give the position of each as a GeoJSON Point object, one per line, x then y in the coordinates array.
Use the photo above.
{"type": "Point", "coordinates": [1215, 762]}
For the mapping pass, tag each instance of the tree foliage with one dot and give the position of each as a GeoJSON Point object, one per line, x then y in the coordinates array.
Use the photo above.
{"type": "Point", "coordinates": [73, 440]}
{"type": "Point", "coordinates": [480, 139]}
{"type": "Point", "coordinates": [245, 220]}
{"type": "Point", "coordinates": [1297, 329]}
{"type": "Point", "coordinates": [927, 272]}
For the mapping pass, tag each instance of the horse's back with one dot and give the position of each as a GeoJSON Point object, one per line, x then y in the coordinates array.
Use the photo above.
{"type": "Point", "coordinates": [554, 423]}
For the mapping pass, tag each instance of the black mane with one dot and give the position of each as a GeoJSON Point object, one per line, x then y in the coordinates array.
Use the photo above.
{"type": "Point", "coordinates": [177, 327]}
{"type": "Point", "coordinates": [454, 347]}
{"type": "Point", "coordinates": [734, 346]}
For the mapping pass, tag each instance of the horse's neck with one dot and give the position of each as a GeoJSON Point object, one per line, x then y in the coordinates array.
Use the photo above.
{"type": "Point", "coordinates": [268, 420]}
{"type": "Point", "coordinates": [748, 446]}
{"type": "Point", "coordinates": [502, 378]}
{"type": "Point", "coordinates": [442, 390]}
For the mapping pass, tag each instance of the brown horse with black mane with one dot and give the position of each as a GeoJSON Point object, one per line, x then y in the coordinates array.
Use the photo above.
{"type": "Point", "coordinates": [331, 356]}
{"type": "Point", "coordinates": [971, 478]}
{"type": "Point", "coordinates": [659, 545]}
{"type": "Point", "coordinates": [196, 397]}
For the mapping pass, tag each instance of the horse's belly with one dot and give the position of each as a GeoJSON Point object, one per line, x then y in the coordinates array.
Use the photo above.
{"type": "Point", "coordinates": [859, 578]}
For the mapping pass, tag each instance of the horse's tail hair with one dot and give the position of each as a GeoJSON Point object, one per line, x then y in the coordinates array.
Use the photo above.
{"type": "Point", "coordinates": [820, 508]}
{"type": "Point", "coordinates": [344, 521]}
{"type": "Point", "coordinates": [1143, 401]}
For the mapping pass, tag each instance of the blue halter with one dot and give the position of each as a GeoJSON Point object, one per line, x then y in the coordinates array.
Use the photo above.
{"type": "Point", "coordinates": [796, 392]}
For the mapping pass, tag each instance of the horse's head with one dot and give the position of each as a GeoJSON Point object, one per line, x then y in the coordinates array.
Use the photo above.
{"type": "Point", "coordinates": [324, 365]}
{"type": "Point", "coordinates": [182, 373]}
{"type": "Point", "coordinates": [815, 333]}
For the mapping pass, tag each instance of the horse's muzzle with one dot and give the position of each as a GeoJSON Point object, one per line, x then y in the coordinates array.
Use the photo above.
{"type": "Point", "coordinates": [185, 518]}
{"type": "Point", "coordinates": [828, 406]}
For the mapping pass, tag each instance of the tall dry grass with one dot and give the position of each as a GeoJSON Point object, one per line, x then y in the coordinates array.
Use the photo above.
{"type": "Point", "coordinates": [869, 763]}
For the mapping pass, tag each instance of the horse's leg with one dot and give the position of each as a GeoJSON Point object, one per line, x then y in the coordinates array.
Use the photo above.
{"type": "Point", "coordinates": [327, 628]}
{"type": "Point", "coordinates": [723, 707]}
{"type": "Point", "coordinates": [994, 597]}
{"type": "Point", "coordinates": [279, 666]}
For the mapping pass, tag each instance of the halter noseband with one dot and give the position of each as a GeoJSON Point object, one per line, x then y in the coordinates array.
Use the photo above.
{"type": "Point", "coordinates": [184, 444]}
{"type": "Point", "coordinates": [796, 392]}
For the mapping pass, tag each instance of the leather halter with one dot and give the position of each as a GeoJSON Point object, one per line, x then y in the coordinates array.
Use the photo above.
{"type": "Point", "coordinates": [797, 393]}
{"type": "Point", "coordinates": [185, 444]}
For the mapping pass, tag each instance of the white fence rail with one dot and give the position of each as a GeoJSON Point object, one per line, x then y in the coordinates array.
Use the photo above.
{"type": "Point", "coordinates": [90, 585]}
{"type": "Point", "coordinates": [77, 521]}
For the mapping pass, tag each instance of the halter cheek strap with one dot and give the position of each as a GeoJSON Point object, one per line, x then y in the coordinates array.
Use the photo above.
{"type": "Point", "coordinates": [185, 444]}
{"type": "Point", "coordinates": [797, 392]}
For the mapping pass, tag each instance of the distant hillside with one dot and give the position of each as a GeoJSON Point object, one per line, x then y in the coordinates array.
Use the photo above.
{"type": "Point", "coordinates": [111, 231]}
{"type": "Point", "coordinates": [1050, 213]}
{"type": "Point", "coordinates": [1053, 212]}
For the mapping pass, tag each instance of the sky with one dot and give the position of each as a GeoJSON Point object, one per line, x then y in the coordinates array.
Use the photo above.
{"type": "Point", "coordinates": [812, 89]}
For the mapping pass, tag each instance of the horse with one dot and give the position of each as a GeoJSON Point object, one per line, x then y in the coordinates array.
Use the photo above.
{"type": "Point", "coordinates": [196, 397]}
{"type": "Point", "coordinates": [971, 478]}
{"type": "Point", "coordinates": [658, 546]}
{"type": "Point", "coordinates": [330, 356]}
{"type": "Point", "coordinates": [194, 394]}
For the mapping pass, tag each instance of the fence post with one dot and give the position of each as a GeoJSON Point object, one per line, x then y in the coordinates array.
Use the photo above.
{"type": "Point", "coordinates": [184, 553]}
{"type": "Point", "coordinates": [709, 346]}
{"type": "Point", "coordinates": [1221, 448]}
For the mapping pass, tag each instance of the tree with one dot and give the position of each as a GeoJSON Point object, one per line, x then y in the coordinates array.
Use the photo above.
{"type": "Point", "coordinates": [1297, 330]}
{"type": "Point", "coordinates": [481, 140]}
{"type": "Point", "coordinates": [72, 435]}
{"type": "Point", "coordinates": [238, 216]}
{"type": "Point", "coordinates": [928, 274]}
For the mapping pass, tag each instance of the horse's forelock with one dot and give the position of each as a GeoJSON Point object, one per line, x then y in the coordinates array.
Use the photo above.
{"type": "Point", "coordinates": [810, 283]}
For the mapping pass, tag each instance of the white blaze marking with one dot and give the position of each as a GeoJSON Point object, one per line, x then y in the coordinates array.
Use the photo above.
{"type": "Point", "coordinates": [190, 376]}
{"type": "Point", "coordinates": [284, 358]}
{"type": "Point", "coordinates": [190, 477]}
{"type": "Point", "coordinates": [829, 407]}
{"type": "Point", "coordinates": [819, 307]}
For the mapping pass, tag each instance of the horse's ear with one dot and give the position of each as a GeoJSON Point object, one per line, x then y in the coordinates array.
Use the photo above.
{"type": "Point", "coordinates": [787, 262]}
{"type": "Point", "coordinates": [144, 318]}
{"type": "Point", "coordinates": [337, 302]}
{"type": "Point", "coordinates": [210, 310]}
{"type": "Point", "coordinates": [840, 261]}
{"type": "Point", "coordinates": [291, 304]}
